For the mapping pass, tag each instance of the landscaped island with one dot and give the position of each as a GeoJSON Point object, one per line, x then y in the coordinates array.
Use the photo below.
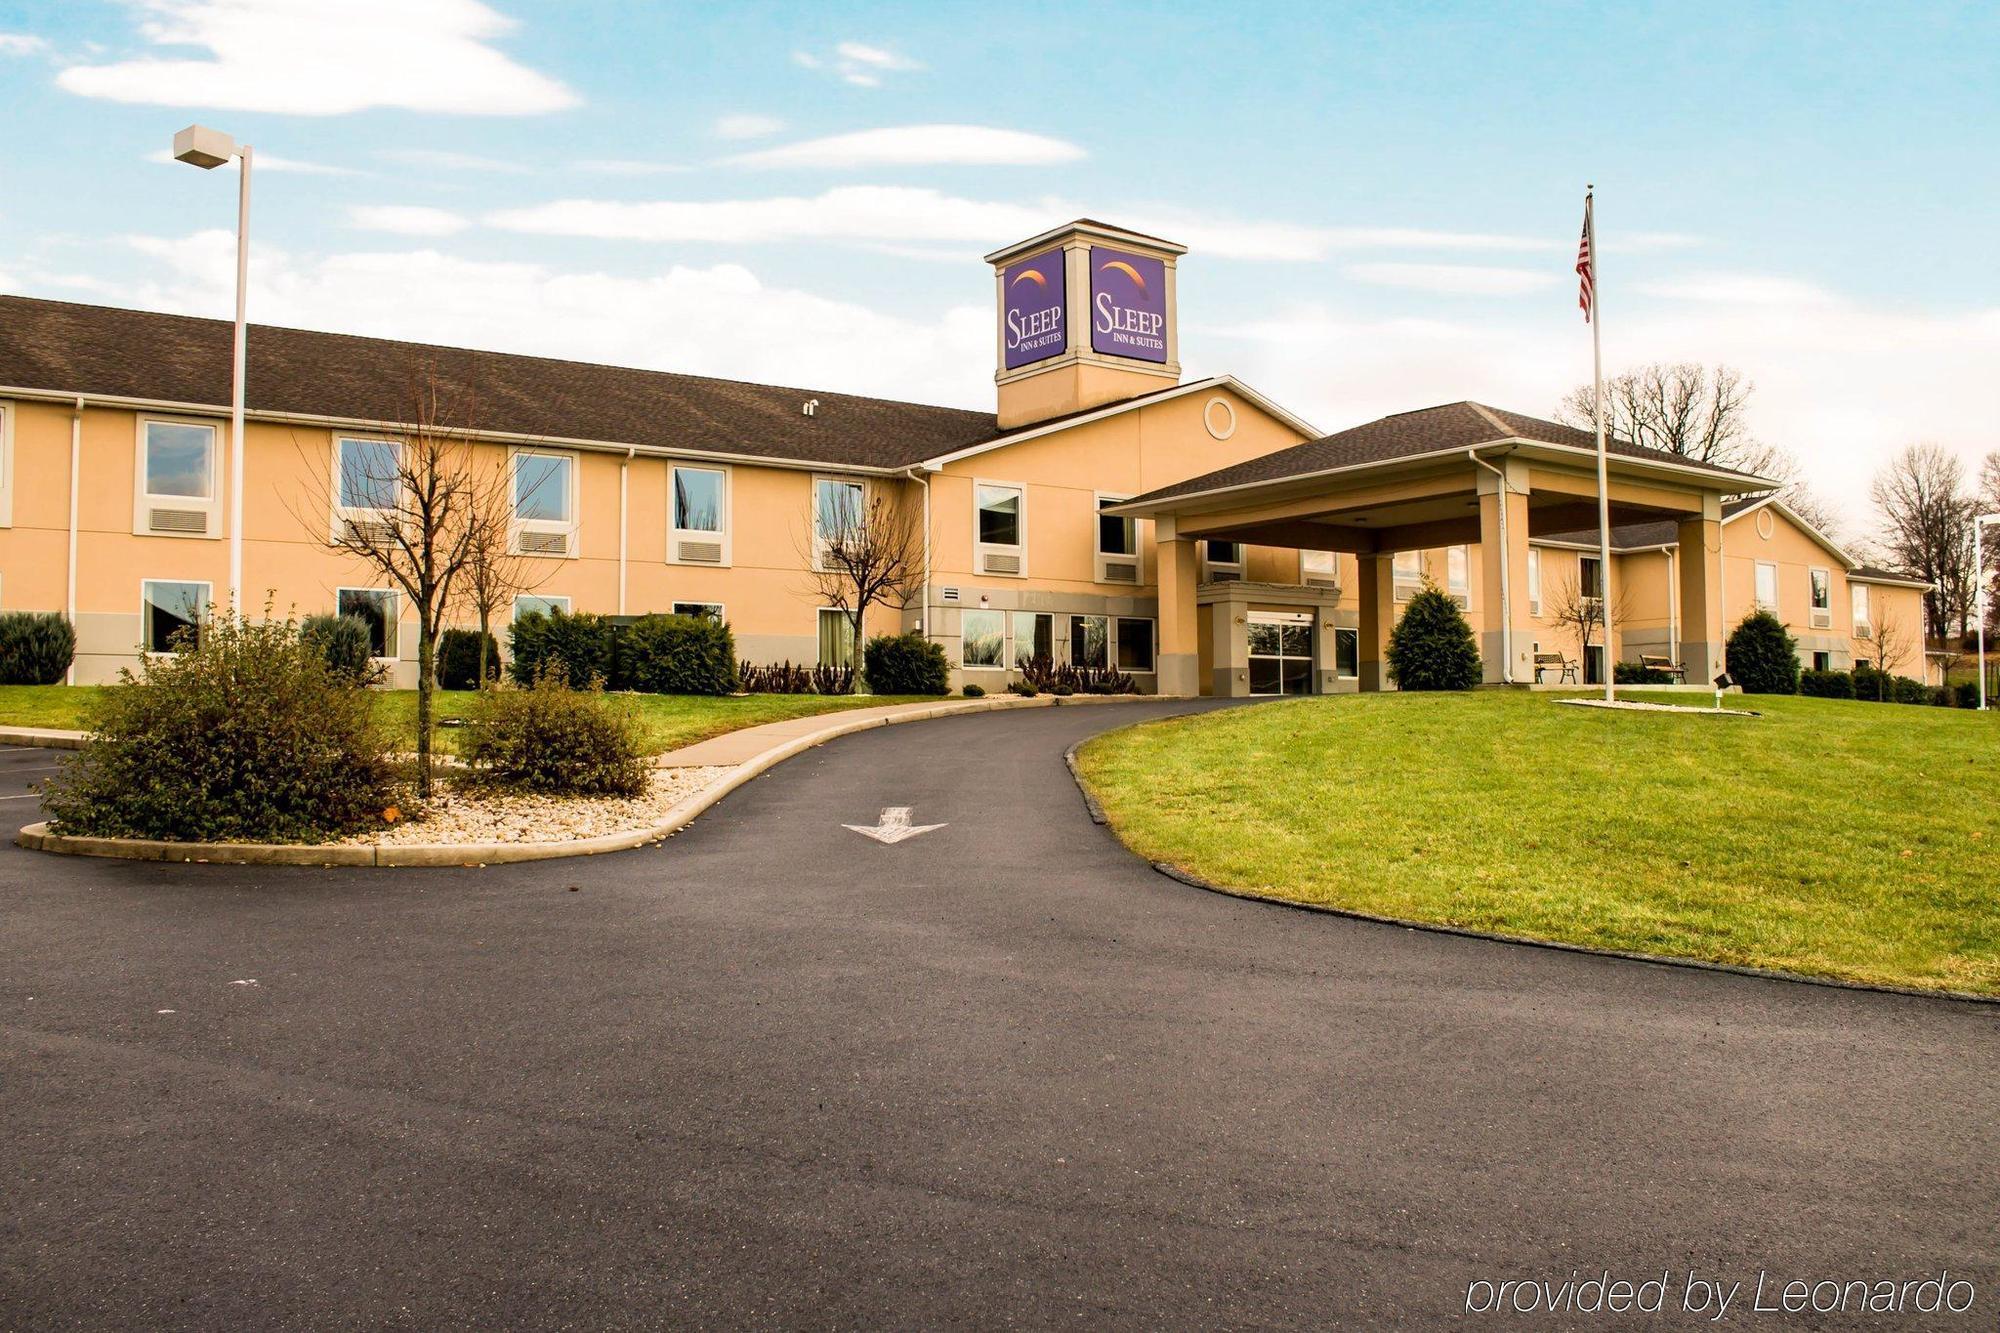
{"type": "Point", "coordinates": [1832, 838]}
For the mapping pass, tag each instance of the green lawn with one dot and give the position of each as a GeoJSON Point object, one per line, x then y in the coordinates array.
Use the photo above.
{"type": "Point", "coordinates": [668, 721]}
{"type": "Point", "coordinates": [1832, 838]}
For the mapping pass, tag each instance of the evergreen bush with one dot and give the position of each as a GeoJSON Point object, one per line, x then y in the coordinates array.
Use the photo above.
{"type": "Point", "coordinates": [1907, 691]}
{"type": "Point", "coordinates": [677, 655]}
{"type": "Point", "coordinates": [584, 644]}
{"type": "Point", "coordinates": [244, 736]}
{"type": "Point", "coordinates": [1872, 684]}
{"type": "Point", "coordinates": [458, 659]}
{"type": "Point", "coordinates": [546, 737]}
{"type": "Point", "coordinates": [36, 647]}
{"type": "Point", "coordinates": [1827, 684]}
{"type": "Point", "coordinates": [1432, 647]}
{"type": "Point", "coordinates": [1635, 673]}
{"type": "Point", "coordinates": [342, 642]}
{"type": "Point", "coordinates": [906, 664]}
{"type": "Point", "coordinates": [1763, 656]}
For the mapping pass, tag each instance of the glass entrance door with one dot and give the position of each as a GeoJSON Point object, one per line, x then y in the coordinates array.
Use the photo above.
{"type": "Point", "coordinates": [1281, 649]}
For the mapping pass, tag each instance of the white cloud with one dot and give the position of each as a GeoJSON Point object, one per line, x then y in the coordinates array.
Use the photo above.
{"type": "Point", "coordinates": [21, 44]}
{"type": "Point", "coordinates": [441, 159]}
{"type": "Point", "coordinates": [1454, 279]}
{"type": "Point", "coordinates": [406, 219]}
{"type": "Point", "coordinates": [1738, 289]}
{"type": "Point", "coordinates": [270, 162]}
{"type": "Point", "coordinates": [858, 63]}
{"type": "Point", "coordinates": [746, 126]}
{"type": "Point", "coordinates": [324, 60]}
{"type": "Point", "coordinates": [918, 145]}
{"type": "Point", "coordinates": [629, 166]}
{"type": "Point", "coordinates": [887, 215]}
{"type": "Point", "coordinates": [719, 320]}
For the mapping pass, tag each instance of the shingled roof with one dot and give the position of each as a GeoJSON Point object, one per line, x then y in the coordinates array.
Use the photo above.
{"type": "Point", "coordinates": [1450, 427]}
{"type": "Point", "coordinates": [1642, 536]}
{"type": "Point", "coordinates": [61, 347]}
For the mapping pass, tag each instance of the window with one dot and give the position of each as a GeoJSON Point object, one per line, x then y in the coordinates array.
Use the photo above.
{"type": "Point", "coordinates": [1822, 599]}
{"type": "Point", "coordinates": [1034, 636]}
{"type": "Point", "coordinates": [368, 473]}
{"type": "Point", "coordinates": [1590, 577]}
{"type": "Point", "coordinates": [1135, 644]}
{"type": "Point", "coordinates": [542, 487]}
{"type": "Point", "coordinates": [1318, 566]}
{"type": "Point", "coordinates": [1863, 625]}
{"type": "Point", "coordinates": [983, 638]}
{"type": "Point", "coordinates": [698, 499]}
{"type": "Point", "coordinates": [1822, 661]}
{"type": "Point", "coordinates": [836, 637]}
{"type": "Point", "coordinates": [1347, 653]}
{"type": "Point", "coordinates": [1534, 581]}
{"type": "Point", "coordinates": [836, 510]}
{"type": "Point", "coordinates": [529, 605]}
{"type": "Point", "coordinates": [378, 607]}
{"type": "Point", "coordinates": [172, 614]}
{"type": "Point", "coordinates": [1115, 535]}
{"type": "Point", "coordinates": [712, 610]}
{"type": "Point", "coordinates": [180, 460]}
{"type": "Point", "coordinates": [1087, 646]}
{"type": "Point", "coordinates": [6, 466]}
{"type": "Point", "coordinates": [999, 515]}
{"type": "Point", "coordinates": [1458, 575]}
{"type": "Point", "coordinates": [1408, 574]}
{"type": "Point", "coordinates": [1767, 585]}
{"type": "Point", "coordinates": [1224, 559]}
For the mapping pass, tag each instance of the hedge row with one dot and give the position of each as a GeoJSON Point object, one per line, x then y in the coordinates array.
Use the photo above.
{"type": "Point", "coordinates": [1881, 687]}
{"type": "Point", "coordinates": [654, 654]}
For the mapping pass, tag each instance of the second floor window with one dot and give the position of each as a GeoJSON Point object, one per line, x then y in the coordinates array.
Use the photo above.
{"type": "Point", "coordinates": [1590, 576]}
{"type": "Point", "coordinates": [1116, 535]}
{"type": "Point", "coordinates": [1457, 573]}
{"type": "Point", "coordinates": [836, 509]}
{"type": "Point", "coordinates": [542, 488]}
{"type": "Point", "coordinates": [999, 515]}
{"type": "Point", "coordinates": [1859, 593]}
{"type": "Point", "coordinates": [368, 474]}
{"type": "Point", "coordinates": [1534, 581]}
{"type": "Point", "coordinates": [1767, 585]}
{"type": "Point", "coordinates": [180, 460]}
{"type": "Point", "coordinates": [697, 499]}
{"type": "Point", "coordinates": [1408, 572]}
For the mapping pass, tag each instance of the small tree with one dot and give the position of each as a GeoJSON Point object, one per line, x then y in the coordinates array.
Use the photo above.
{"type": "Point", "coordinates": [1763, 655]}
{"type": "Point", "coordinates": [865, 553]}
{"type": "Point", "coordinates": [1432, 647]}
{"type": "Point", "coordinates": [1580, 611]}
{"type": "Point", "coordinates": [1892, 640]}
{"type": "Point", "coordinates": [495, 572]}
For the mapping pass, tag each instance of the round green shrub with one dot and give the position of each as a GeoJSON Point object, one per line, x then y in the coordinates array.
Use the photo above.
{"type": "Point", "coordinates": [244, 736]}
{"type": "Point", "coordinates": [677, 655]}
{"type": "Point", "coordinates": [342, 642]}
{"type": "Point", "coordinates": [906, 664]}
{"type": "Point", "coordinates": [975, 691]}
{"type": "Point", "coordinates": [1872, 684]}
{"type": "Point", "coordinates": [1827, 684]}
{"type": "Point", "coordinates": [584, 644]}
{"type": "Point", "coordinates": [1431, 647]}
{"type": "Point", "coordinates": [36, 647]}
{"type": "Point", "coordinates": [1763, 656]}
{"type": "Point", "coordinates": [458, 659]}
{"type": "Point", "coordinates": [1907, 691]}
{"type": "Point", "coordinates": [546, 737]}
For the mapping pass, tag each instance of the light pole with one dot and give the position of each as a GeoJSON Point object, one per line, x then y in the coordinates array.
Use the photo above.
{"type": "Point", "coordinates": [1979, 595]}
{"type": "Point", "coordinates": [205, 148]}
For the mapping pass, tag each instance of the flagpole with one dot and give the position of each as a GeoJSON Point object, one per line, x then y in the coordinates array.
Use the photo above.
{"type": "Point", "coordinates": [1597, 414]}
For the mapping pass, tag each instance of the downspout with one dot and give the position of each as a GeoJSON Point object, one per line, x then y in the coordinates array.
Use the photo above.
{"type": "Point", "coordinates": [1506, 568]}
{"type": "Point", "coordinates": [624, 465]}
{"type": "Point", "coordinates": [924, 624]}
{"type": "Point", "coordinates": [1674, 602]}
{"type": "Point", "coordinates": [75, 477]}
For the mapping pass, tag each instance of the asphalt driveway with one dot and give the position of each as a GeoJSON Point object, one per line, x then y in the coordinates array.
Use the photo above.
{"type": "Point", "coordinates": [775, 1073]}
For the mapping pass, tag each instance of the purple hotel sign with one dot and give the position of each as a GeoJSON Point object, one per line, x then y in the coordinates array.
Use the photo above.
{"type": "Point", "coordinates": [1034, 309]}
{"type": "Point", "coordinates": [1128, 304]}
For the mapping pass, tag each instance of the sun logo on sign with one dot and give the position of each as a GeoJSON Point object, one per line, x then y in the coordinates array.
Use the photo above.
{"type": "Point", "coordinates": [1121, 266]}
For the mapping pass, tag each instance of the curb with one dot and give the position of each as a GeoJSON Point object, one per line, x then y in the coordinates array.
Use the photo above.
{"type": "Point", "coordinates": [1194, 881]}
{"type": "Point", "coordinates": [37, 837]}
{"type": "Point", "coordinates": [46, 738]}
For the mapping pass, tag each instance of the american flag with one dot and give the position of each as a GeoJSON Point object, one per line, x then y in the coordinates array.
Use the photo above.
{"type": "Point", "coordinates": [1586, 294]}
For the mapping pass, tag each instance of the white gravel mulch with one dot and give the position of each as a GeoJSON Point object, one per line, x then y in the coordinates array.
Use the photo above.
{"type": "Point", "coordinates": [464, 815]}
{"type": "Point", "coordinates": [1636, 706]}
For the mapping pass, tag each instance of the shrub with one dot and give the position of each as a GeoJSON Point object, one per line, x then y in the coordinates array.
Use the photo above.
{"type": "Point", "coordinates": [833, 679]}
{"type": "Point", "coordinates": [547, 737]}
{"type": "Point", "coordinates": [677, 655]}
{"type": "Point", "coordinates": [1431, 647]}
{"type": "Point", "coordinates": [1045, 675]}
{"type": "Point", "coordinates": [36, 647]}
{"type": "Point", "coordinates": [975, 691]}
{"type": "Point", "coordinates": [1022, 688]}
{"type": "Point", "coordinates": [1907, 691]}
{"type": "Point", "coordinates": [1632, 673]}
{"type": "Point", "coordinates": [342, 643]}
{"type": "Point", "coordinates": [1827, 684]}
{"type": "Point", "coordinates": [246, 736]}
{"type": "Point", "coordinates": [584, 644]}
{"type": "Point", "coordinates": [1105, 680]}
{"type": "Point", "coordinates": [1763, 656]}
{"type": "Point", "coordinates": [458, 659]}
{"type": "Point", "coordinates": [1968, 694]}
{"type": "Point", "coordinates": [906, 664]}
{"type": "Point", "coordinates": [1872, 684]}
{"type": "Point", "coordinates": [777, 678]}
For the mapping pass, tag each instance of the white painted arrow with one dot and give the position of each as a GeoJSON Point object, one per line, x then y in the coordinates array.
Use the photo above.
{"type": "Point", "coordinates": [895, 826]}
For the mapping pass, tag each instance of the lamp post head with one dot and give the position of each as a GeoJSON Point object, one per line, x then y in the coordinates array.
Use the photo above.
{"type": "Point", "coordinates": [1724, 681]}
{"type": "Point", "coordinates": [203, 147]}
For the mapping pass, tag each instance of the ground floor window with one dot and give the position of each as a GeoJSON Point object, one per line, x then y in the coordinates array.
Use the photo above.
{"type": "Point", "coordinates": [1088, 641]}
{"type": "Point", "coordinates": [708, 610]}
{"type": "Point", "coordinates": [1034, 636]}
{"type": "Point", "coordinates": [1347, 653]}
{"type": "Point", "coordinates": [836, 638]}
{"type": "Point", "coordinates": [982, 638]}
{"type": "Point", "coordinates": [1593, 664]}
{"type": "Point", "coordinates": [1822, 662]}
{"type": "Point", "coordinates": [527, 605]}
{"type": "Point", "coordinates": [172, 614]}
{"type": "Point", "coordinates": [1281, 646]}
{"type": "Point", "coordinates": [376, 606]}
{"type": "Point", "coordinates": [1135, 644]}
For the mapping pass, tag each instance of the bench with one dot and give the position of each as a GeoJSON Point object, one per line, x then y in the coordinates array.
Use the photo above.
{"type": "Point", "coordinates": [1655, 662]}
{"type": "Point", "coordinates": [1558, 663]}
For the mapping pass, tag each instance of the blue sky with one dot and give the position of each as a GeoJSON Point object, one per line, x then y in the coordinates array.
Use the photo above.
{"type": "Point", "coordinates": [1381, 201]}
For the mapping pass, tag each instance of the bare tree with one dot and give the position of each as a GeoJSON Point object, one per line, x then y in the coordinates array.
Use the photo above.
{"type": "Point", "coordinates": [1700, 414]}
{"type": "Point", "coordinates": [1926, 530]}
{"type": "Point", "coordinates": [495, 571]}
{"type": "Point", "coordinates": [1892, 640]}
{"type": "Point", "coordinates": [1580, 611]}
{"type": "Point", "coordinates": [413, 509]}
{"type": "Point", "coordinates": [1989, 503]}
{"type": "Point", "coordinates": [864, 551]}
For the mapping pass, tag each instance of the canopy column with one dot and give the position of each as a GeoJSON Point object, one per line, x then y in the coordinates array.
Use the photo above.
{"type": "Point", "coordinates": [1699, 562]}
{"type": "Point", "coordinates": [1506, 641]}
{"type": "Point", "coordinates": [1376, 580]}
{"type": "Point", "coordinates": [1178, 577]}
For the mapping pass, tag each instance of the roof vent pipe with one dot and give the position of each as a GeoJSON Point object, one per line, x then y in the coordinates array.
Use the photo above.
{"type": "Point", "coordinates": [811, 406]}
